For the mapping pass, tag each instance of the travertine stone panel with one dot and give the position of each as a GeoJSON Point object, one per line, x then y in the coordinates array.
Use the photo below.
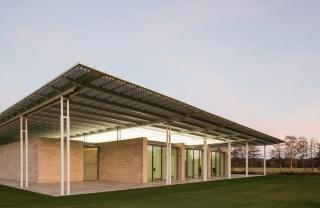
{"type": "Point", "coordinates": [49, 160]}
{"type": "Point", "coordinates": [181, 161]}
{"type": "Point", "coordinates": [124, 161]}
{"type": "Point", "coordinates": [10, 161]}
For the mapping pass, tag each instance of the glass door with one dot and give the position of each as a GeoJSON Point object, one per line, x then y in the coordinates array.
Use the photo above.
{"type": "Point", "coordinates": [164, 163]}
{"type": "Point", "coordinates": [222, 163]}
{"type": "Point", "coordinates": [150, 163]}
{"type": "Point", "coordinates": [193, 163]}
{"type": "Point", "coordinates": [218, 163]}
{"type": "Point", "coordinates": [157, 163]}
{"type": "Point", "coordinates": [189, 165]}
{"type": "Point", "coordinates": [213, 164]}
{"type": "Point", "coordinates": [196, 163]}
{"type": "Point", "coordinates": [157, 159]}
{"type": "Point", "coordinates": [154, 163]}
{"type": "Point", "coordinates": [174, 163]}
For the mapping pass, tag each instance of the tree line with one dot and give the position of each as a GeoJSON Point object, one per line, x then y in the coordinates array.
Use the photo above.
{"type": "Point", "coordinates": [295, 152]}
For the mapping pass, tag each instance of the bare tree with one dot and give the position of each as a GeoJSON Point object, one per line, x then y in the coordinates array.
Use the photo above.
{"type": "Point", "coordinates": [290, 149]}
{"type": "Point", "coordinates": [302, 150]}
{"type": "Point", "coordinates": [277, 152]}
{"type": "Point", "coordinates": [296, 152]}
{"type": "Point", "coordinates": [238, 155]}
{"type": "Point", "coordinates": [238, 152]}
{"type": "Point", "coordinates": [312, 151]}
{"type": "Point", "coordinates": [318, 154]}
{"type": "Point", "coordinates": [254, 154]}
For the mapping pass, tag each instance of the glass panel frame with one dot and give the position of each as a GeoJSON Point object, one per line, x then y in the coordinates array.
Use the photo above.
{"type": "Point", "coordinates": [213, 164]}
{"type": "Point", "coordinates": [218, 163]}
{"type": "Point", "coordinates": [193, 163]}
{"type": "Point", "coordinates": [157, 163]}
{"type": "Point", "coordinates": [150, 163]}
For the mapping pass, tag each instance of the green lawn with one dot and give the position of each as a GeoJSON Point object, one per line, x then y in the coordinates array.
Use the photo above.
{"type": "Point", "coordinates": [271, 191]}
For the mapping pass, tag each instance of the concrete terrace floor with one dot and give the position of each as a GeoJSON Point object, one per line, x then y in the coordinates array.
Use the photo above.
{"type": "Point", "coordinates": [53, 189]}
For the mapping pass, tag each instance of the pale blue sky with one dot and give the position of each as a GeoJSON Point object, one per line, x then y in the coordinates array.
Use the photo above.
{"type": "Point", "coordinates": [255, 62]}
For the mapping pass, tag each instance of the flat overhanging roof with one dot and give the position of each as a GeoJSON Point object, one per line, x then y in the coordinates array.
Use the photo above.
{"type": "Point", "coordinates": [100, 102]}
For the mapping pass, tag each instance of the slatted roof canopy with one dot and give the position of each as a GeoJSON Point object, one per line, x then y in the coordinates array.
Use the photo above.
{"type": "Point", "coordinates": [100, 102]}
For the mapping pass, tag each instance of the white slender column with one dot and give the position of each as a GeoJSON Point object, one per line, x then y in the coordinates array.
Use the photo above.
{"type": "Point", "coordinates": [264, 161]}
{"type": "Point", "coordinates": [247, 159]}
{"type": "Point", "coordinates": [26, 134]}
{"type": "Point", "coordinates": [61, 147]}
{"type": "Point", "coordinates": [21, 152]}
{"type": "Point", "coordinates": [168, 155]}
{"type": "Point", "coordinates": [68, 147]}
{"type": "Point", "coordinates": [118, 134]}
{"type": "Point", "coordinates": [229, 159]}
{"type": "Point", "coordinates": [205, 159]}
{"type": "Point", "coordinates": [169, 171]}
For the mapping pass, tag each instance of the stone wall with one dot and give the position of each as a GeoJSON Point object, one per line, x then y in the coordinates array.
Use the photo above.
{"type": "Point", "coordinates": [181, 161]}
{"type": "Point", "coordinates": [49, 160]}
{"type": "Point", "coordinates": [124, 161]}
{"type": "Point", "coordinates": [10, 161]}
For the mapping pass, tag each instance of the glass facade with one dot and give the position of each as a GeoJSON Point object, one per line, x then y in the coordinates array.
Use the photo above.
{"type": "Point", "coordinates": [90, 163]}
{"type": "Point", "coordinates": [193, 163]}
{"type": "Point", "coordinates": [157, 166]}
{"type": "Point", "coordinates": [218, 163]}
{"type": "Point", "coordinates": [157, 163]}
{"type": "Point", "coordinates": [174, 163]}
{"type": "Point", "coordinates": [150, 161]}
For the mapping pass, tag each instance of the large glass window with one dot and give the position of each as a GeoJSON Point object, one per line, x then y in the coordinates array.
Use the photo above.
{"type": "Point", "coordinates": [193, 163]}
{"type": "Point", "coordinates": [223, 155]}
{"type": "Point", "coordinates": [157, 163]}
{"type": "Point", "coordinates": [164, 163]}
{"type": "Point", "coordinates": [189, 162]}
{"type": "Point", "coordinates": [213, 164]}
{"type": "Point", "coordinates": [150, 162]}
{"type": "Point", "coordinates": [196, 163]}
{"type": "Point", "coordinates": [174, 163]}
{"type": "Point", "coordinates": [218, 163]}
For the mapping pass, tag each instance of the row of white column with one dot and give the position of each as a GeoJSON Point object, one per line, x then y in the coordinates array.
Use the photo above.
{"type": "Point", "coordinates": [247, 160]}
{"type": "Point", "coordinates": [205, 158]}
{"type": "Point", "coordinates": [24, 149]}
{"type": "Point", "coordinates": [65, 127]}
{"type": "Point", "coordinates": [205, 170]}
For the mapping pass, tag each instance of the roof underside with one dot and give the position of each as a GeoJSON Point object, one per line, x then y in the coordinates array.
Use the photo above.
{"type": "Point", "coordinates": [100, 102]}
